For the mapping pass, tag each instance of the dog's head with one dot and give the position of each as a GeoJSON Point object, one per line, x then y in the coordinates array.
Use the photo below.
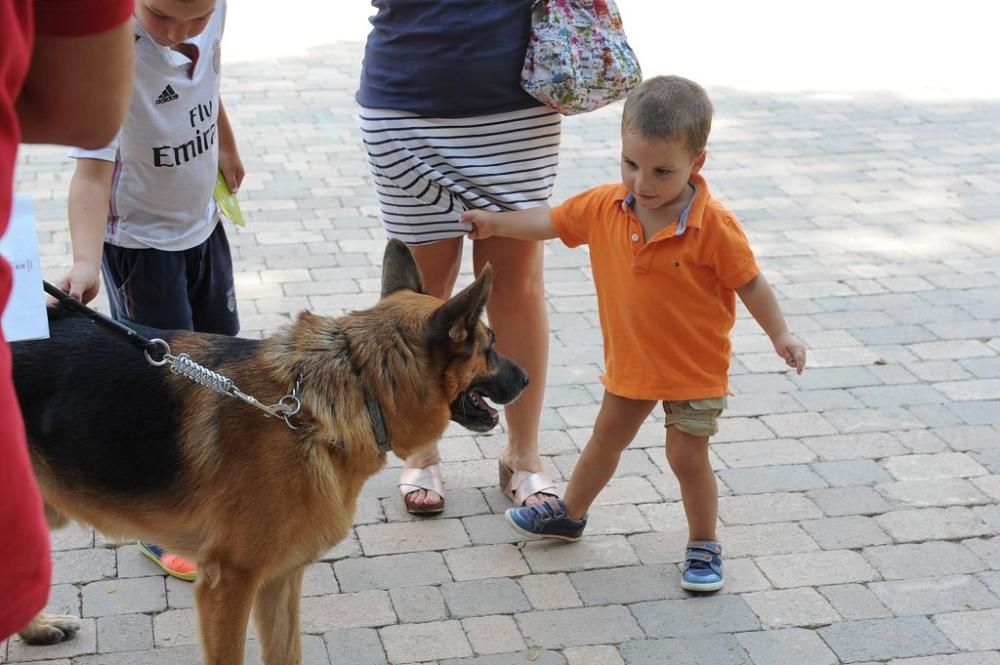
{"type": "Point", "coordinates": [459, 346]}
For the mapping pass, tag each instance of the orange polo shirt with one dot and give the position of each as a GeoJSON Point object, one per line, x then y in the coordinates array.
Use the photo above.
{"type": "Point", "coordinates": [666, 303]}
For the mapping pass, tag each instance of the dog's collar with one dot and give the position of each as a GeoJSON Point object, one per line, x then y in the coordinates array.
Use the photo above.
{"type": "Point", "coordinates": [378, 423]}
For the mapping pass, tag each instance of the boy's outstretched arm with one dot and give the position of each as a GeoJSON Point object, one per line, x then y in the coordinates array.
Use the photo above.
{"type": "Point", "coordinates": [759, 299]}
{"type": "Point", "coordinates": [529, 224]}
{"type": "Point", "coordinates": [229, 156]}
{"type": "Point", "coordinates": [89, 195]}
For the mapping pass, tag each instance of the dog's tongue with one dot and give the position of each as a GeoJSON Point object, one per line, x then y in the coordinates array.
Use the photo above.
{"type": "Point", "coordinates": [481, 403]}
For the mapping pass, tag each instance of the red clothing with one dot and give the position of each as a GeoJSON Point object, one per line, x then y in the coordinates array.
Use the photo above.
{"type": "Point", "coordinates": [666, 303]}
{"type": "Point", "coordinates": [24, 542]}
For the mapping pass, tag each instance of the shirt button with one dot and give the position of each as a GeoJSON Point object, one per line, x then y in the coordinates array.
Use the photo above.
{"type": "Point", "coordinates": [635, 237]}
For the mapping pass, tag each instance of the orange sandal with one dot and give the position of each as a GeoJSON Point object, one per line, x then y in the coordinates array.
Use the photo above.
{"type": "Point", "coordinates": [172, 565]}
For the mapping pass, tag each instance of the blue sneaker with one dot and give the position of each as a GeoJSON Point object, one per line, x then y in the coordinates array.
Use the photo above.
{"type": "Point", "coordinates": [547, 519]}
{"type": "Point", "coordinates": [703, 566]}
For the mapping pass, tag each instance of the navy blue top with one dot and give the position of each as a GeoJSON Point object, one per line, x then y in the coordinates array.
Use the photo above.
{"type": "Point", "coordinates": [446, 58]}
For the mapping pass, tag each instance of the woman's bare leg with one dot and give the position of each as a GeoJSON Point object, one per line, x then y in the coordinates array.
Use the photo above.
{"type": "Point", "coordinates": [519, 316]}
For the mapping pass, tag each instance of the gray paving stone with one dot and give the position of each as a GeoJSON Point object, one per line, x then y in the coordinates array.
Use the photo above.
{"type": "Point", "coordinates": [174, 656]}
{"type": "Point", "coordinates": [742, 576]}
{"type": "Point", "coordinates": [596, 655]}
{"type": "Point", "coordinates": [816, 568]}
{"type": "Point", "coordinates": [417, 604]}
{"type": "Point", "coordinates": [696, 650]}
{"type": "Point", "coordinates": [932, 523]}
{"type": "Point", "coordinates": [550, 592]}
{"type": "Point", "coordinates": [493, 634]}
{"type": "Point", "coordinates": [628, 585]}
{"type": "Point", "coordinates": [855, 602]}
{"type": "Point", "coordinates": [790, 646]}
{"type": "Point", "coordinates": [978, 658]}
{"type": "Point", "coordinates": [930, 467]}
{"type": "Point", "coordinates": [846, 473]}
{"type": "Point", "coordinates": [406, 537]}
{"type": "Point", "coordinates": [125, 632]}
{"type": "Point", "coordinates": [987, 549]}
{"type": "Point", "coordinates": [484, 597]}
{"type": "Point", "coordinates": [386, 572]}
{"type": "Point", "coordinates": [880, 639]}
{"type": "Point", "coordinates": [872, 445]}
{"type": "Point", "coordinates": [758, 480]}
{"type": "Point", "coordinates": [790, 608]}
{"type": "Point", "coordinates": [763, 508]}
{"type": "Point", "coordinates": [590, 552]}
{"type": "Point", "coordinates": [534, 656]}
{"type": "Point", "coordinates": [416, 642]}
{"type": "Point", "coordinates": [557, 629]}
{"type": "Point", "coordinates": [81, 566]}
{"type": "Point", "coordinates": [935, 595]}
{"type": "Point", "coordinates": [472, 563]}
{"type": "Point", "coordinates": [930, 559]}
{"type": "Point", "coordinates": [695, 616]}
{"type": "Point", "coordinates": [366, 609]}
{"type": "Point", "coordinates": [971, 631]}
{"type": "Point", "coordinates": [763, 453]}
{"type": "Point", "coordinates": [849, 532]}
{"type": "Point", "coordinates": [940, 492]}
{"type": "Point", "coordinates": [840, 501]}
{"type": "Point", "coordinates": [764, 539]}
{"type": "Point", "coordinates": [175, 628]}
{"type": "Point", "coordinates": [359, 646]}
{"type": "Point", "coordinates": [125, 596]}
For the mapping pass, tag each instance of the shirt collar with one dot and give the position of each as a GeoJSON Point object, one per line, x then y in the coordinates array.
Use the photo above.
{"type": "Point", "coordinates": [626, 200]}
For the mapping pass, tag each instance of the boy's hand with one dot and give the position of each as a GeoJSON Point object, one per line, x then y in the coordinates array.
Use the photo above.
{"type": "Point", "coordinates": [82, 282]}
{"type": "Point", "coordinates": [232, 168]}
{"type": "Point", "coordinates": [792, 350]}
{"type": "Point", "coordinates": [482, 224]}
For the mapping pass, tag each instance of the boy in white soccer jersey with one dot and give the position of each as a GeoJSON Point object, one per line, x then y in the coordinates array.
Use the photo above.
{"type": "Point", "coordinates": [142, 210]}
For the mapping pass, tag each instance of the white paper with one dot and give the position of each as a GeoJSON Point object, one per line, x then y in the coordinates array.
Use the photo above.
{"type": "Point", "coordinates": [24, 317]}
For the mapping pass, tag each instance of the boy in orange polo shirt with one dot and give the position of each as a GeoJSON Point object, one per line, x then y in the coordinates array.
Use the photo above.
{"type": "Point", "coordinates": [668, 261]}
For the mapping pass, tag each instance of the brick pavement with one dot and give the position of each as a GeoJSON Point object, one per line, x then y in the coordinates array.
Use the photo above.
{"type": "Point", "coordinates": [860, 502]}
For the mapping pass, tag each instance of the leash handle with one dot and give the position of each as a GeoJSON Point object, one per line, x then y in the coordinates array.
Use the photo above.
{"type": "Point", "coordinates": [99, 319]}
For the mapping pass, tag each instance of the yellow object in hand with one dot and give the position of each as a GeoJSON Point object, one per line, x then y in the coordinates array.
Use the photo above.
{"type": "Point", "coordinates": [228, 204]}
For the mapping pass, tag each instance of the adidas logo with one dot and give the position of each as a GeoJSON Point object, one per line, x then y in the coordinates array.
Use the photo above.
{"type": "Point", "coordinates": [168, 95]}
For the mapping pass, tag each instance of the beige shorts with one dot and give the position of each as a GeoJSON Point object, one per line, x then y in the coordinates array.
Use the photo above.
{"type": "Point", "coordinates": [697, 417]}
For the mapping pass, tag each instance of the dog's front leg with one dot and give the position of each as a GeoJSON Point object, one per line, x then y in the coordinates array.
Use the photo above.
{"type": "Point", "coordinates": [224, 595]}
{"type": "Point", "coordinates": [276, 615]}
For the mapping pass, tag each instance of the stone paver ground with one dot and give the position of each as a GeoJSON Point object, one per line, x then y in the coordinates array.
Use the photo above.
{"type": "Point", "coordinates": [860, 502]}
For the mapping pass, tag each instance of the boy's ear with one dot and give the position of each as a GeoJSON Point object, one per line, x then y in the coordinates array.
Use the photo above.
{"type": "Point", "coordinates": [399, 270]}
{"type": "Point", "coordinates": [459, 315]}
{"type": "Point", "coordinates": [699, 162]}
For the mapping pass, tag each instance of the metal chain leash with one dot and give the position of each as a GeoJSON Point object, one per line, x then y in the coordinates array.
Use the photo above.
{"type": "Point", "coordinates": [286, 407]}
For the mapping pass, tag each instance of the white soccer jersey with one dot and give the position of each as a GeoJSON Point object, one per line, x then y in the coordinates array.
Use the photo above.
{"type": "Point", "coordinates": [167, 154]}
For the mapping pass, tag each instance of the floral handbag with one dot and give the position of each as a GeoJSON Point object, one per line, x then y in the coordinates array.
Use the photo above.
{"type": "Point", "coordinates": [578, 58]}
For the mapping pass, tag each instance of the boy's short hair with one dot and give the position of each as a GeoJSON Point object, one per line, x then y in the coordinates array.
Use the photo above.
{"type": "Point", "coordinates": [670, 107]}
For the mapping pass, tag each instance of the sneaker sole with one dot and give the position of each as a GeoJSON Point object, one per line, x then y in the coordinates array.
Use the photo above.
{"type": "Point", "coordinates": [187, 577]}
{"type": "Point", "coordinates": [695, 586]}
{"type": "Point", "coordinates": [537, 536]}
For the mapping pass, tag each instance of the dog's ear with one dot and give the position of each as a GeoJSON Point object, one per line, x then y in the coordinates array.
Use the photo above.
{"type": "Point", "coordinates": [458, 316]}
{"type": "Point", "coordinates": [399, 270]}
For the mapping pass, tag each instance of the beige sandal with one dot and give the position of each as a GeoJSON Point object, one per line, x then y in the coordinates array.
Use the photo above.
{"type": "Point", "coordinates": [428, 479]}
{"type": "Point", "coordinates": [518, 486]}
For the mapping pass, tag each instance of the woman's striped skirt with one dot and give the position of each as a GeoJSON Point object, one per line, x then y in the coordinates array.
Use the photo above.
{"type": "Point", "coordinates": [427, 171]}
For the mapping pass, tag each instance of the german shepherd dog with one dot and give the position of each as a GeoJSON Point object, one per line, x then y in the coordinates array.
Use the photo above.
{"type": "Point", "coordinates": [139, 452]}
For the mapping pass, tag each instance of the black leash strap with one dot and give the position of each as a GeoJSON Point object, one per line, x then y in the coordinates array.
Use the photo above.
{"type": "Point", "coordinates": [103, 321]}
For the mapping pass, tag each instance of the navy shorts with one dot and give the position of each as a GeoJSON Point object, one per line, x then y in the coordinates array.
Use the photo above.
{"type": "Point", "coordinates": [187, 290]}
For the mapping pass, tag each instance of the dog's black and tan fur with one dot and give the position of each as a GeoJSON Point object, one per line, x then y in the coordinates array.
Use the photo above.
{"type": "Point", "coordinates": [141, 453]}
